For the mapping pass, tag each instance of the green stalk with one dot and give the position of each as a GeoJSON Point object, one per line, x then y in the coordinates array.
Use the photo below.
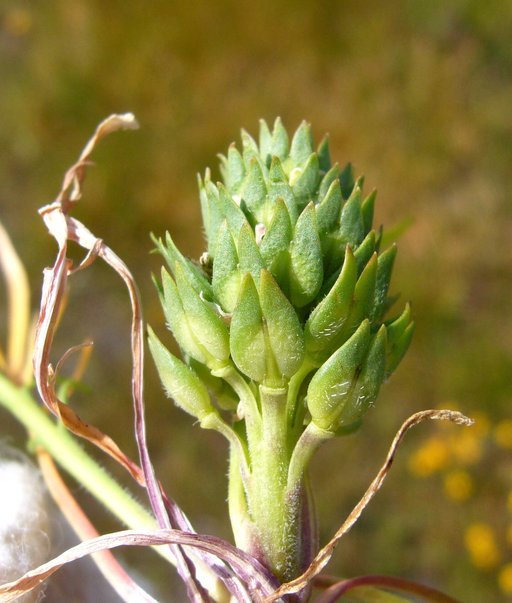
{"type": "Point", "coordinates": [275, 516]}
{"type": "Point", "coordinates": [66, 451]}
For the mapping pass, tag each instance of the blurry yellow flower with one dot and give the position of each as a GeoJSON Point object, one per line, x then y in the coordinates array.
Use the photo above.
{"type": "Point", "coordinates": [505, 578]}
{"type": "Point", "coordinates": [503, 434]}
{"type": "Point", "coordinates": [509, 535]}
{"type": "Point", "coordinates": [458, 485]}
{"type": "Point", "coordinates": [481, 544]}
{"type": "Point", "coordinates": [429, 458]}
{"type": "Point", "coordinates": [467, 446]}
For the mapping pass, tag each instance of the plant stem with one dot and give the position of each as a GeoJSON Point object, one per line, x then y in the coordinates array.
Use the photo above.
{"type": "Point", "coordinates": [275, 516]}
{"type": "Point", "coordinates": [70, 456]}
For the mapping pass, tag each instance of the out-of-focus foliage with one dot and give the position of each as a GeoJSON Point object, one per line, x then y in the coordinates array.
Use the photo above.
{"type": "Point", "coordinates": [416, 94]}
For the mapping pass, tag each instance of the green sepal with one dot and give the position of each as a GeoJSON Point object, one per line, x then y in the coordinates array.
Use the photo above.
{"type": "Point", "coordinates": [280, 141]}
{"type": "Point", "coordinates": [331, 386]}
{"type": "Point", "coordinates": [322, 329]}
{"type": "Point", "coordinates": [207, 326]}
{"type": "Point", "coordinates": [220, 391]}
{"type": "Point", "coordinates": [231, 211]}
{"type": "Point", "coordinates": [367, 210]}
{"type": "Point", "coordinates": [365, 251]}
{"type": "Point", "coordinates": [177, 321]}
{"type": "Point", "coordinates": [226, 277]}
{"type": "Point", "coordinates": [172, 254]}
{"type": "Point", "coordinates": [328, 211]}
{"type": "Point", "coordinates": [275, 243]}
{"type": "Point", "coordinates": [305, 184]}
{"type": "Point", "coordinates": [333, 175]}
{"type": "Point", "coordinates": [180, 382]}
{"type": "Point", "coordinates": [210, 194]}
{"type": "Point", "coordinates": [351, 221]}
{"type": "Point", "coordinates": [234, 172]}
{"type": "Point", "coordinates": [247, 337]}
{"type": "Point", "coordinates": [400, 332]}
{"type": "Point", "coordinates": [265, 142]}
{"type": "Point", "coordinates": [362, 302]}
{"type": "Point", "coordinates": [324, 155]}
{"type": "Point", "coordinates": [306, 262]}
{"type": "Point", "coordinates": [250, 149]}
{"type": "Point", "coordinates": [249, 253]}
{"type": "Point", "coordinates": [282, 190]}
{"type": "Point", "coordinates": [283, 328]}
{"type": "Point", "coordinates": [254, 189]}
{"type": "Point", "coordinates": [384, 270]}
{"type": "Point", "coordinates": [276, 172]}
{"type": "Point", "coordinates": [347, 181]}
{"type": "Point", "coordinates": [369, 380]}
{"type": "Point", "coordinates": [302, 144]}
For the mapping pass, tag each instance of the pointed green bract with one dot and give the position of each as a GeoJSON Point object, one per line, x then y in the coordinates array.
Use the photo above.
{"type": "Point", "coordinates": [306, 264]}
{"type": "Point", "coordinates": [179, 381]}
{"type": "Point", "coordinates": [331, 388]}
{"type": "Point", "coordinates": [226, 276]}
{"type": "Point", "coordinates": [283, 326]}
{"type": "Point", "coordinates": [327, 320]}
{"type": "Point", "coordinates": [206, 325]}
{"type": "Point", "coordinates": [247, 337]}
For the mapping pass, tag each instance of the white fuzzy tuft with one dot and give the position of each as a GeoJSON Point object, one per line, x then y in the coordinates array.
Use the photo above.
{"type": "Point", "coordinates": [24, 524]}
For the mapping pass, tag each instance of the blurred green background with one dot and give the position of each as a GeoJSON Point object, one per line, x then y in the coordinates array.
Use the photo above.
{"type": "Point", "coordinates": [418, 96]}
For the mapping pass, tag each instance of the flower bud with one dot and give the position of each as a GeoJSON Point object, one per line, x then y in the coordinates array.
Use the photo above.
{"type": "Point", "coordinates": [180, 382]}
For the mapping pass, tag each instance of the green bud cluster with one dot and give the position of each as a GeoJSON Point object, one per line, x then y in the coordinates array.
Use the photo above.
{"type": "Point", "coordinates": [293, 283]}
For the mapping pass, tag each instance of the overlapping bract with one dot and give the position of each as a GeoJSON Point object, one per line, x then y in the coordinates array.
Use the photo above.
{"type": "Point", "coordinates": [293, 280]}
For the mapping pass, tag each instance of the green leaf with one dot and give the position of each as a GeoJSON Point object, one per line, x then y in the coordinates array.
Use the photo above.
{"type": "Point", "coordinates": [172, 254]}
{"type": "Point", "coordinates": [351, 221]}
{"type": "Point", "coordinates": [265, 142]}
{"type": "Point", "coordinates": [283, 327]}
{"type": "Point", "coordinates": [333, 175]}
{"type": "Point", "coordinates": [306, 262]}
{"type": "Point", "coordinates": [277, 238]}
{"type": "Point", "coordinates": [235, 169]}
{"type": "Point", "coordinates": [247, 338]}
{"type": "Point", "coordinates": [365, 251]}
{"type": "Point", "coordinates": [280, 141]}
{"type": "Point", "coordinates": [250, 148]}
{"type": "Point", "coordinates": [326, 322]}
{"type": "Point", "coordinates": [367, 209]}
{"type": "Point", "coordinates": [302, 144]}
{"type": "Point", "coordinates": [369, 380]}
{"type": "Point", "coordinates": [220, 391]}
{"type": "Point", "coordinates": [177, 320]}
{"type": "Point", "coordinates": [249, 253]}
{"type": "Point", "coordinates": [328, 211]}
{"type": "Point", "coordinates": [384, 270]}
{"type": "Point", "coordinates": [324, 155]}
{"type": "Point", "coordinates": [364, 295]}
{"type": "Point", "coordinates": [347, 181]}
{"type": "Point", "coordinates": [254, 189]}
{"type": "Point", "coordinates": [231, 211]}
{"type": "Point", "coordinates": [226, 277]}
{"type": "Point", "coordinates": [305, 184]}
{"type": "Point", "coordinates": [331, 386]}
{"type": "Point", "coordinates": [180, 381]}
{"type": "Point", "coordinates": [214, 211]}
{"type": "Point", "coordinates": [400, 332]}
{"type": "Point", "coordinates": [206, 325]}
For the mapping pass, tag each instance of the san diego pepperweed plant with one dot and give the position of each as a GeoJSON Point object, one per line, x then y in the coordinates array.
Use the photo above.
{"type": "Point", "coordinates": [286, 334]}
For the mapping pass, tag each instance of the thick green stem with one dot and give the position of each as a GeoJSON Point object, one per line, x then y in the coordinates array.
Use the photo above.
{"type": "Point", "coordinates": [275, 515]}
